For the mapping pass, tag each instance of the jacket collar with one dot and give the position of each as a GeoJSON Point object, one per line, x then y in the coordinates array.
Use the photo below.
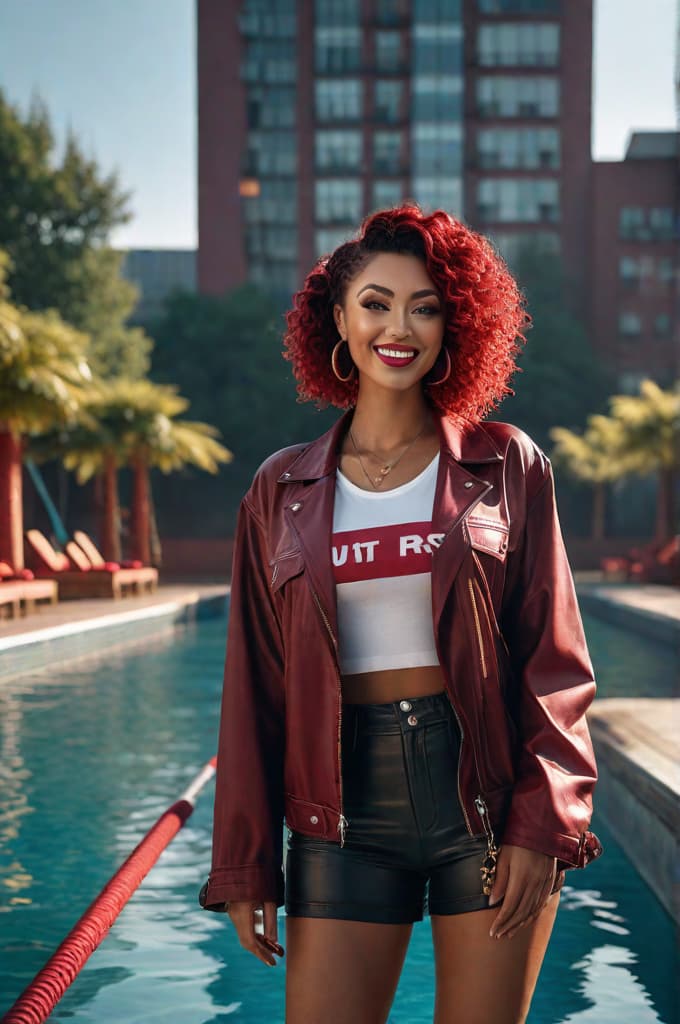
{"type": "Point", "coordinates": [462, 440]}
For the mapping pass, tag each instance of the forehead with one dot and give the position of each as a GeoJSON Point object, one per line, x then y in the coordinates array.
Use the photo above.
{"type": "Point", "coordinates": [398, 271]}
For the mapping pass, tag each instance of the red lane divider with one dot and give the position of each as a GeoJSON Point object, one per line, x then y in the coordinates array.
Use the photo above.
{"type": "Point", "coordinates": [43, 993]}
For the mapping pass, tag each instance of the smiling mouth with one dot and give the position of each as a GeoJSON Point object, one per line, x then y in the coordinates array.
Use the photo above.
{"type": "Point", "coordinates": [394, 355]}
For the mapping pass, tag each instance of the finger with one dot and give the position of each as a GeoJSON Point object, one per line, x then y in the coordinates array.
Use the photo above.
{"type": "Point", "coordinates": [511, 900]}
{"type": "Point", "coordinates": [528, 910]}
{"type": "Point", "coordinates": [500, 880]}
{"type": "Point", "coordinates": [244, 922]}
{"type": "Point", "coordinates": [271, 922]}
{"type": "Point", "coordinates": [521, 904]}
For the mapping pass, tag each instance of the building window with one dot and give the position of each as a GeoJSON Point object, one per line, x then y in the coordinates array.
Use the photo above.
{"type": "Point", "coordinates": [437, 48]}
{"type": "Point", "coordinates": [662, 324]}
{"type": "Point", "coordinates": [661, 222]}
{"type": "Point", "coordinates": [437, 10]}
{"type": "Point", "coordinates": [337, 49]}
{"type": "Point", "coordinates": [386, 194]}
{"type": "Point", "coordinates": [518, 97]}
{"type": "Point", "coordinates": [520, 6]}
{"type": "Point", "coordinates": [629, 272]}
{"type": "Point", "coordinates": [513, 44]}
{"type": "Point", "coordinates": [437, 98]}
{"type": "Point", "coordinates": [388, 99]}
{"type": "Point", "coordinates": [271, 153]}
{"type": "Point", "coordinates": [338, 200]}
{"type": "Point", "coordinates": [338, 151]}
{"type": "Point", "coordinates": [338, 100]}
{"type": "Point", "coordinates": [387, 153]}
{"type": "Point", "coordinates": [665, 271]}
{"type": "Point", "coordinates": [529, 148]}
{"type": "Point", "coordinates": [524, 200]}
{"type": "Point", "coordinates": [269, 61]}
{"type": "Point", "coordinates": [270, 107]}
{"type": "Point", "coordinates": [389, 52]}
{"type": "Point", "coordinates": [512, 246]}
{"type": "Point", "coordinates": [439, 193]}
{"type": "Point", "coordinates": [276, 203]}
{"type": "Point", "coordinates": [391, 12]}
{"type": "Point", "coordinates": [436, 149]}
{"type": "Point", "coordinates": [337, 12]}
{"type": "Point", "coordinates": [630, 325]}
{"type": "Point", "coordinates": [328, 239]}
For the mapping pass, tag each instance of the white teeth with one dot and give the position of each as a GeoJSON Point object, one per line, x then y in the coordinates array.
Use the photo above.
{"type": "Point", "coordinates": [395, 354]}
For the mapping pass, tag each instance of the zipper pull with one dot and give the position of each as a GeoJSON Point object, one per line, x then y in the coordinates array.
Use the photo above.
{"type": "Point", "coordinates": [488, 868]}
{"type": "Point", "coordinates": [342, 828]}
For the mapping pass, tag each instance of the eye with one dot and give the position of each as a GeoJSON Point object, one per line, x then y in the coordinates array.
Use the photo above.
{"type": "Point", "coordinates": [430, 310]}
{"type": "Point", "coordinates": [373, 302]}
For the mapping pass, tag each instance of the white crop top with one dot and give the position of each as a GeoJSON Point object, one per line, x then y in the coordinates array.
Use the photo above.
{"type": "Point", "coordinates": [382, 545]}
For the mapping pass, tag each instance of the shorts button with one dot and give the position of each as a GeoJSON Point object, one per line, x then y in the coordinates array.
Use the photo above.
{"type": "Point", "coordinates": [314, 820]}
{"type": "Point", "coordinates": [405, 705]}
{"type": "Point", "coordinates": [412, 720]}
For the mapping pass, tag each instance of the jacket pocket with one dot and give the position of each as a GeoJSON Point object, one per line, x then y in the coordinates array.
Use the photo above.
{"type": "Point", "coordinates": [284, 567]}
{"type": "Point", "coordinates": [487, 536]}
{"type": "Point", "coordinates": [305, 816]}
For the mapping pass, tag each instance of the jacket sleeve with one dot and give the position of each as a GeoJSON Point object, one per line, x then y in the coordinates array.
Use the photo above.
{"type": "Point", "coordinates": [553, 687]}
{"type": "Point", "coordinates": [247, 842]}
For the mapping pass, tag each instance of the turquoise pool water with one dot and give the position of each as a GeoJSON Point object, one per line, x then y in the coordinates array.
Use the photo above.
{"type": "Point", "coordinates": [91, 755]}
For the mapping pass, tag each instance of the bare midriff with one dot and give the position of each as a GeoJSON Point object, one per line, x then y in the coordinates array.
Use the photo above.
{"type": "Point", "coordinates": [391, 684]}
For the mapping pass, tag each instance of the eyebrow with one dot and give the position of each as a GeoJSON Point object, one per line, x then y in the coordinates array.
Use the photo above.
{"type": "Point", "coordinates": [386, 291]}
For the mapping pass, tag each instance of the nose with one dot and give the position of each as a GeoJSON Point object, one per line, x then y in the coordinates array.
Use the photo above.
{"type": "Point", "coordinates": [398, 330]}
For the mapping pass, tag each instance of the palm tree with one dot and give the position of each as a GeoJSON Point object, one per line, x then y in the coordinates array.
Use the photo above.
{"type": "Point", "coordinates": [44, 378]}
{"type": "Point", "coordinates": [650, 423]}
{"type": "Point", "coordinates": [590, 457]}
{"type": "Point", "coordinates": [133, 423]}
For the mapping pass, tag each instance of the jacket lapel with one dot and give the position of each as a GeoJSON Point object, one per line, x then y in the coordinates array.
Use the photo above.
{"type": "Point", "coordinates": [310, 500]}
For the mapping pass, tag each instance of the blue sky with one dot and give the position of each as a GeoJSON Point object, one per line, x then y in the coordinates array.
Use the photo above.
{"type": "Point", "coordinates": [122, 74]}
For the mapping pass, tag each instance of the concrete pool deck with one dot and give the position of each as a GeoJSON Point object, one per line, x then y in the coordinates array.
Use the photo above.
{"type": "Point", "coordinates": [636, 741]}
{"type": "Point", "coordinates": [89, 627]}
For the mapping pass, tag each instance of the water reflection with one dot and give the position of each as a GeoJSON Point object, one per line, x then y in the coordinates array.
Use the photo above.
{"type": "Point", "coordinates": [91, 759]}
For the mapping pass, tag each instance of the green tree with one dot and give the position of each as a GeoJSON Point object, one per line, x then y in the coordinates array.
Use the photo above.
{"type": "Point", "coordinates": [132, 423]}
{"type": "Point", "coordinates": [226, 351]}
{"type": "Point", "coordinates": [590, 457]}
{"type": "Point", "coordinates": [44, 380]}
{"type": "Point", "coordinates": [55, 221]}
{"type": "Point", "coordinates": [650, 425]}
{"type": "Point", "coordinates": [561, 378]}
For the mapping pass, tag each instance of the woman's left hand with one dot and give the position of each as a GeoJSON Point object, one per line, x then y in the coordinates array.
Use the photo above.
{"type": "Point", "coordinates": [523, 881]}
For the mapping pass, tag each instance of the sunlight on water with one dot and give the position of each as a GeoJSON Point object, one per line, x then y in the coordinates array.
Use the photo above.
{"type": "Point", "coordinates": [92, 755]}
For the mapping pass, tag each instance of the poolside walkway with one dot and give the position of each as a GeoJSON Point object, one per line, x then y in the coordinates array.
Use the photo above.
{"type": "Point", "coordinates": [636, 741]}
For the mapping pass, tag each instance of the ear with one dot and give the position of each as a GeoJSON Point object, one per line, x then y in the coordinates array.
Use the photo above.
{"type": "Point", "coordinates": [339, 318]}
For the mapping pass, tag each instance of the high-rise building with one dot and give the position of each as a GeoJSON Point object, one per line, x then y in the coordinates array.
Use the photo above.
{"type": "Point", "coordinates": [634, 246]}
{"type": "Point", "coordinates": [314, 113]}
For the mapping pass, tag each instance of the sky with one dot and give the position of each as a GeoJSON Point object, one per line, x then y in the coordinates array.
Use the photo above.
{"type": "Point", "coordinates": [122, 74]}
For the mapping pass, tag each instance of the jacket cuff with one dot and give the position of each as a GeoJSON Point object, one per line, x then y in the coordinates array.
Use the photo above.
{"type": "Point", "coordinates": [570, 851]}
{"type": "Point", "coordinates": [249, 882]}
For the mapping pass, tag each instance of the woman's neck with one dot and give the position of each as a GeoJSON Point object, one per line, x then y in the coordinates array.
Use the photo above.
{"type": "Point", "coordinates": [386, 426]}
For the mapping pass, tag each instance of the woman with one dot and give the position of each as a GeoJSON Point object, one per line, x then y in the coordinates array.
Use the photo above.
{"type": "Point", "coordinates": [406, 676]}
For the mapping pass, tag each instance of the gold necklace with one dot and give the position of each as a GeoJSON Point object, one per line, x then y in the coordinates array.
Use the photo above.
{"type": "Point", "coordinates": [387, 466]}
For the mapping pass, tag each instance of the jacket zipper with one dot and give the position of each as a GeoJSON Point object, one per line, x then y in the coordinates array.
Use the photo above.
{"type": "Point", "coordinates": [488, 868]}
{"type": "Point", "coordinates": [478, 628]}
{"type": "Point", "coordinates": [342, 820]}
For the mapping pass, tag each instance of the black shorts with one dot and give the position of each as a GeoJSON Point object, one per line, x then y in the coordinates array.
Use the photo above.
{"type": "Point", "coordinates": [407, 849]}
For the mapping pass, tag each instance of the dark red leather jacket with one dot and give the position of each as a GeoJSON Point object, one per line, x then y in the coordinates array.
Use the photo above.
{"type": "Point", "coordinates": [509, 637]}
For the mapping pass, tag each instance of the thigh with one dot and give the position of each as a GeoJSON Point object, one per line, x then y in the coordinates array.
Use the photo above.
{"type": "Point", "coordinates": [342, 972]}
{"type": "Point", "coordinates": [481, 980]}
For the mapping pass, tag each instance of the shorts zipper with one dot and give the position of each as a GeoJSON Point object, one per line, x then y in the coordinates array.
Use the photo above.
{"type": "Point", "coordinates": [342, 820]}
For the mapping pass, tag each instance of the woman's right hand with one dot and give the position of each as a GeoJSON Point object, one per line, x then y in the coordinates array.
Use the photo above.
{"type": "Point", "coordinates": [242, 914]}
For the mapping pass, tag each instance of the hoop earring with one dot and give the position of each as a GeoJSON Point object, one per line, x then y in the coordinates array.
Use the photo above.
{"type": "Point", "coordinates": [334, 362]}
{"type": "Point", "coordinates": [446, 376]}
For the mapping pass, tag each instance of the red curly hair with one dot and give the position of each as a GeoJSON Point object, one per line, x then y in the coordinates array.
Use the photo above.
{"type": "Point", "coordinates": [484, 322]}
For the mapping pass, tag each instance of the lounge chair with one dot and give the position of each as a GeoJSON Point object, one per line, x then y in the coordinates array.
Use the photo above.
{"type": "Point", "coordinates": [97, 560]}
{"type": "Point", "coordinates": [20, 592]}
{"type": "Point", "coordinates": [76, 576]}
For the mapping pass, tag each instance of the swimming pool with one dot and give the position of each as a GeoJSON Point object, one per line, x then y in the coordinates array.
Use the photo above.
{"type": "Point", "coordinates": [90, 756]}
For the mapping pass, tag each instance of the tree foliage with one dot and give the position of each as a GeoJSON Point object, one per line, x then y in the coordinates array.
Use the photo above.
{"type": "Point", "coordinates": [55, 220]}
{"type": "Point", "coordinates": [226, 352]}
